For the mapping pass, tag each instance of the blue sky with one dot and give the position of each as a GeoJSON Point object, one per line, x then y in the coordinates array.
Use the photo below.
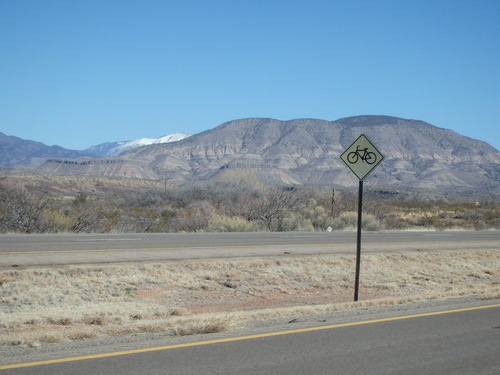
{"type": "Point", "coordinates": [80, 73]}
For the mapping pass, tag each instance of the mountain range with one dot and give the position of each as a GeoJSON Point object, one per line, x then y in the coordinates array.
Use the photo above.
{"type": "Point", "coordinates": [304, 151]}
{"type": "Point", "coordinates": [17, 152]}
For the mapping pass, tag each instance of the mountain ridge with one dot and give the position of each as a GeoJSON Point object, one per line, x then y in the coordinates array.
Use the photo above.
{"type": "Point", "coordinates": [306, 151]}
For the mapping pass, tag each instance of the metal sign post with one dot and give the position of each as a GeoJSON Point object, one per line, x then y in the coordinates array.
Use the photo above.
{"type": "Point", "coordinates": [361, 157]}
{"type": "Point", "coordinates": [358, 246]}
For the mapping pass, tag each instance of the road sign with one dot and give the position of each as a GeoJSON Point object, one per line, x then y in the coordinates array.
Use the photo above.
{"type": "Point", "coordinates": [362, 157]}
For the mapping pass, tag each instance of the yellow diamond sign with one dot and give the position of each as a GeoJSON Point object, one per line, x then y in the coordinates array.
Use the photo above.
{"type": "Point", "coordinates": [362, 157]}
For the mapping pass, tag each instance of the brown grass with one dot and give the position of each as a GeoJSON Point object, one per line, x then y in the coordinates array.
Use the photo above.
{"type": "Point", "coordinates": [46, 305]}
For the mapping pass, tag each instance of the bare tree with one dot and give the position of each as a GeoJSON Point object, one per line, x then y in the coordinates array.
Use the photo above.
{"type": "Point", "coordinates": [89, 215]}
{"type": "Point", "coordinates": [21, 212]}
{"type": "Point", "coordinates": [274, 204]}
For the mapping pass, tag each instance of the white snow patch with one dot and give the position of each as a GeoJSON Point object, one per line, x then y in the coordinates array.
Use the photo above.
{"type": "Point", "coordinates": [146, 142]}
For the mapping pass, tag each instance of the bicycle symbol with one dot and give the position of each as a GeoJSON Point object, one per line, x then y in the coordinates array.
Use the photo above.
{"type": "Point", "coordinates": [364, 154]}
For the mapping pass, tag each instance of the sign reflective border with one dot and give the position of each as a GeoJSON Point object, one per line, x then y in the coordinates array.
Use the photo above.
{"type": "Point", "coordinates": [362, 157]}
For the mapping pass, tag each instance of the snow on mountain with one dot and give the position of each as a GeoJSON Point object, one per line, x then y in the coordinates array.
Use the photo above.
{"type": "Point", "coordinates": [116, 148]}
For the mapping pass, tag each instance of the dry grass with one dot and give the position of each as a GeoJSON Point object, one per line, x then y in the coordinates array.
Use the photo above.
{"type": "Point", "coordinates": [47, 305]}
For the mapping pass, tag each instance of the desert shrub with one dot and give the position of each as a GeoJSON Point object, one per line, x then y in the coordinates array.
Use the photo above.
{"type": "Point", "coordinates": [55, 221]}
{"type": "Point", "coordinates": [370, 223]}
{"type": "Point", "coordinates": [349, 221]}
{"type": "Point", "coordinates": [185, 196]}
{"type": "Point", "coordinates": [218, 223]}
{"type": "Point", "coordinates": [146, 220]}
{"type": "Point", "coordinates": [429, 222]}
{"type": "Point", "coordinates": [346, 221]}
{"type": "Point", "coordinates": [296, 222]}
{"type": "Point", "coordinates": [98, 320]}
{"type": "Point", "coordinates": [396, 223]}
{"type": "Point", "coordinates": [236, 201]}
{"type": "Point", "coordinates": [80, 200]}
{"type": "Point", "coordinates": [493, 217]}
{"type": "Point", "coordinates": [90, 217]}
{"type": "Point", "coordinates": [226, 193]}
{"type": "Point", "coordinates": [318, 218]}
{"type": "Point", "coordinates": [194, 219]}
{"type": "Point", "coordinates": [275, 204]}
{"type": "Point", "coordinates": [476, 218]}
{"type": "Point", "coordinates": [151, 197]}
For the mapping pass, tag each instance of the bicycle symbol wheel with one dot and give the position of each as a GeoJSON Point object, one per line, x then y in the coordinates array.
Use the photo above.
{"type": "Point", "coordinates": [352, 157]}
{"type": "Point", "coordinates": [370, 157]}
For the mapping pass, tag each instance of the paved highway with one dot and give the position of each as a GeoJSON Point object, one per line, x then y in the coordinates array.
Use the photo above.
{"type": "Point", "coordinates": [33, 250]}
{"type": "Point", "coordinates": [458, 341]}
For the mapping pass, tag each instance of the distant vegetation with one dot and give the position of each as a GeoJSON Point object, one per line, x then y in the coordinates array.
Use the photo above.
{"type": "Point", "coordinates": [236, 202]}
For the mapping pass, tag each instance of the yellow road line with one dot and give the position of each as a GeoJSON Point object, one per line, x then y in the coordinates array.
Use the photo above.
{"type": "Point", "coordinates": [262, 335]}
{"type": "Point", "coordinates": [227, 247]}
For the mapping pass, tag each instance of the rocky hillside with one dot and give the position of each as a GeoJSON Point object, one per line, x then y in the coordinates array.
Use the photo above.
{"type": "Point", "coordinates": [306, 151]}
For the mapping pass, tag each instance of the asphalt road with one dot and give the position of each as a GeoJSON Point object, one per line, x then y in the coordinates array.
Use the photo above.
{"type": "Point", "coordinates": [463, 341]}
{"type": "Point", "coordinates": [36, 250]}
